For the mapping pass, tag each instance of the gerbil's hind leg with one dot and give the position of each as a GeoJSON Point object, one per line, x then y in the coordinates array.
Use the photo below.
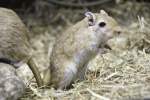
{"type": "Point", "coordinates": [69, 75]}
{"type": "Point", "coordinates": [81, 73]}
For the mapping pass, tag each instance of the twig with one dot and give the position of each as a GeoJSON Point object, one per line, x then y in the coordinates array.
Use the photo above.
{"type": "Point", "coordinates": [111, 75]}
{"type": "Point", "coordinates": [97, 95]}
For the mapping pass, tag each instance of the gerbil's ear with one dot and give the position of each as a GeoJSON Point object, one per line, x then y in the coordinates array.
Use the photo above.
{"type": "Point", "coordinates": [103, 12]}
{"type": "Point", "coordinates": [91, 18]}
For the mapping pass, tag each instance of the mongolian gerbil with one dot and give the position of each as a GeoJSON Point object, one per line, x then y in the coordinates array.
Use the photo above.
{"type": "Point", "coordinates": [79, 44]}
{"type": "Point", "coordinates": [14, 44]}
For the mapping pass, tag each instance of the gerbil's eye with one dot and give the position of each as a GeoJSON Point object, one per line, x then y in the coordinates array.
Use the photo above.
{"type": "Point", "coordinates": [102, 24]}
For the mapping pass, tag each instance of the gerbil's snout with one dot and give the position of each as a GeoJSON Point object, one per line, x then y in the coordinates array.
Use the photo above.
{"type": "Point", "coordinates": [117, 33]}
{"type": "Point", "coordinates": [118, 30]}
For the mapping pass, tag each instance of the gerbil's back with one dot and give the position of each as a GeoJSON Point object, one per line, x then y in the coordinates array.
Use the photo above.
{"type": "Point", "coordinates": [13, 36]}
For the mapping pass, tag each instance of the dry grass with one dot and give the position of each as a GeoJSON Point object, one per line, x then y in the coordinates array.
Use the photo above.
{"type": "Point", "coordinates": [121, 74]}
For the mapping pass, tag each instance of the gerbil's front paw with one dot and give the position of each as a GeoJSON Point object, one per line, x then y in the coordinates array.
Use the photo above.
{"type": "Point", "coordinates": [103, 50]}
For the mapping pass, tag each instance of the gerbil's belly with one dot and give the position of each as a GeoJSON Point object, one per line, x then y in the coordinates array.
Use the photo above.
{"type": "Point", "coordinates": [83, 56]}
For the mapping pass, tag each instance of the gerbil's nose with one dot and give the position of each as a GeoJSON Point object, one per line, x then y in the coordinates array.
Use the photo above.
{"type": "Point", "coordinates": [118, 30]}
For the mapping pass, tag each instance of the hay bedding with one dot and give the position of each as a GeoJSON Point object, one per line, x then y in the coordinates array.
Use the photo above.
{"type": "Point", "coordinates": [121, 74]}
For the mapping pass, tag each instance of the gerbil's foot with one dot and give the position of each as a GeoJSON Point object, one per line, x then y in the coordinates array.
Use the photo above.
{"type": "Point", "coordinates": [70, 86]}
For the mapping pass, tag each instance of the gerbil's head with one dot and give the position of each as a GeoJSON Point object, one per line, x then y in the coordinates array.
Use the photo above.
{"type": "Point", "coordinates": [102, 24]}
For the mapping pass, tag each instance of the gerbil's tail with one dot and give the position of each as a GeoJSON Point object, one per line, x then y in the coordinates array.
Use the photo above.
{"type": "Point", "coordinates": [47, 77]}
{"type": "Point", "coordinates": [35, 72]}
{"type": "Point", "coordinates": [8, 61]}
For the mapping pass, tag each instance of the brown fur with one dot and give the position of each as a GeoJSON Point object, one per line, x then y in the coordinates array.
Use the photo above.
{"type": "Point", "coordinates": [14, 44]}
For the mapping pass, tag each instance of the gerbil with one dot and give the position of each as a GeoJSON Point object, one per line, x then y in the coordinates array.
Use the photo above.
{"type": "Point", "coordinates": [11, 86]}
{"type": "Point", "coordinates": [78, 45]}
{"type": "Point", "coordinates": [14, 44]}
